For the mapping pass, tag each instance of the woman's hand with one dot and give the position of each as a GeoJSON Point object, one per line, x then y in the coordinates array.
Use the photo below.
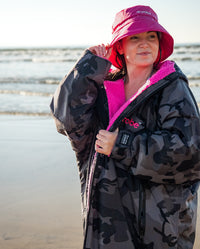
{"type": "Point", "coordinates": [105, 141]}
{"type": "Point", "coordinates": [102, 50]}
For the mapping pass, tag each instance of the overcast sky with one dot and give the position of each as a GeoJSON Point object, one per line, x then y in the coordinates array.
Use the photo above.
{"type": "Point", "coordinates": [87, 22]}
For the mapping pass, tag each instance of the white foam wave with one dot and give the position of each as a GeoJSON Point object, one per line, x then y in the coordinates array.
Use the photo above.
{"type": "Point", "coordinates": [25, 93]}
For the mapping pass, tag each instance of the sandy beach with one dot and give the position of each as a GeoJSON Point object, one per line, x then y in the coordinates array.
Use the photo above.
{"type": "Point", "coordinates": [39, 187]}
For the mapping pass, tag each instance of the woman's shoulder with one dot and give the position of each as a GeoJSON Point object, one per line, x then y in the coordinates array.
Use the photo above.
{"type": "Point", "coordinates": [167, 70]}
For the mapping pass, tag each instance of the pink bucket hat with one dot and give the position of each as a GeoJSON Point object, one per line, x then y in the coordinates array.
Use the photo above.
{"type": "Point", "coordinates": [135, 20]}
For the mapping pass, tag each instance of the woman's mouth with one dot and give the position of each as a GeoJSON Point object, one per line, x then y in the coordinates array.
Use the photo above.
{"type": "Point", "coordinates": [144, 53]}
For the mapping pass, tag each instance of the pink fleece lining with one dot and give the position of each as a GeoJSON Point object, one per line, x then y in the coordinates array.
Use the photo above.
{"type": "Point", "coordinates": [116, 94]}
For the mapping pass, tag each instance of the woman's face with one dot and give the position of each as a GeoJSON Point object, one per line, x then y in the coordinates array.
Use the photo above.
{"type": "Point", "coordinates": [140, 49]}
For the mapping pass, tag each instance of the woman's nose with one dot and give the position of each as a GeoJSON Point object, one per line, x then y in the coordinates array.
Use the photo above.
{"type": "Point", "coordinates": [144, 43]}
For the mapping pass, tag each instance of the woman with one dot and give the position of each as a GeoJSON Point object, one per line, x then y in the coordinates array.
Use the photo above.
{"type": "Point", "coordinates": [135, 131]}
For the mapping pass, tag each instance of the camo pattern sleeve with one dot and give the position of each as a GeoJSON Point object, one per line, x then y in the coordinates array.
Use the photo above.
{"type": "Point", "coordinates": [171, 153]}
{"type": "Point", "coordinates": [73, 104]}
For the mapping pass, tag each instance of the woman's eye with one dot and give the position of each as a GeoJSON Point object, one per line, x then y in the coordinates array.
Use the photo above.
{"type": "Point", "coordinates": [134, 38]}
{"type": "Point", "coordinates": [152, 36]}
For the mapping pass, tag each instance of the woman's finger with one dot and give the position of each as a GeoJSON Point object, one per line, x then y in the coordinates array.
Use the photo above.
{"type": "Point", "coordinates": [101, 137]}
{"type": "Point", "coordinates": [101, 50]}
{"type": "Point", "coordinates": [108, 52]}
{"type": "Point", "coordinates": [100, 143]}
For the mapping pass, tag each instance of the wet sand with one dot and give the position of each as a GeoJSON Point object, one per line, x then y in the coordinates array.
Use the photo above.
{"type": "Point", "coordinates": [39, 187]}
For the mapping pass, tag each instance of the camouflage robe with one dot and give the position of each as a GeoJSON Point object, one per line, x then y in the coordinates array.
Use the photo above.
{"type": "Point", "coordinates": [144, 195]}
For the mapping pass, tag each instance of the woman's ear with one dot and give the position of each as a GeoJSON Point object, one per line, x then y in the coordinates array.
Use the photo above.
{"type": "Point", "coordinates": [120, 47]}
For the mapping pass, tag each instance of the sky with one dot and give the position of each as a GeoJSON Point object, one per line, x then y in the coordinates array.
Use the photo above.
{"type": "Point", "coordinates": [40, 23]}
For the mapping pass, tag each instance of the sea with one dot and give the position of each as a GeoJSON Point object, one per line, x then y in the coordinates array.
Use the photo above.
{"type": "Point", "coordinates": [30, 76]}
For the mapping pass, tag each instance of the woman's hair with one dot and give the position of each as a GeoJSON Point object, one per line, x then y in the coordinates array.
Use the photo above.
{"type": "Point", "coordinates": [120, 73]}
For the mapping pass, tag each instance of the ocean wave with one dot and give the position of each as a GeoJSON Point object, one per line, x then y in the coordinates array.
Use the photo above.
{"type": "Point", "coordinates": [32, 80]}
{"type": "Point", "coordinates": [187, 45]}
{"type": "Point", "coordinates": [53, 60]}
{"type": "Point", "coordinates": [194, 84]}
{"type": "Point", "coordinates": [40, 55]}
{"type": "Point", "coordinates": [43, 49]}
{"type": "Point", "coordinates": [185, 58]}
{"type": "Point", "coordinates": [190, 52]}
{"type": "Point", "coordinates": [194, 78]}
{"type": "Point", "coordinates": [25, 93]}
{"type": "Point", "coordinates": [49, 81]}
{"type": "Point", "coordinates": [186, 52]}
{"type": "Point", "coordinates": [38, 60]}
{"type": "Point", "coordinates": [25, 113]}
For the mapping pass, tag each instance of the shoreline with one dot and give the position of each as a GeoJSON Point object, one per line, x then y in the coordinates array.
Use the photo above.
{"type": "Point", "coordinates": [39, 186]}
